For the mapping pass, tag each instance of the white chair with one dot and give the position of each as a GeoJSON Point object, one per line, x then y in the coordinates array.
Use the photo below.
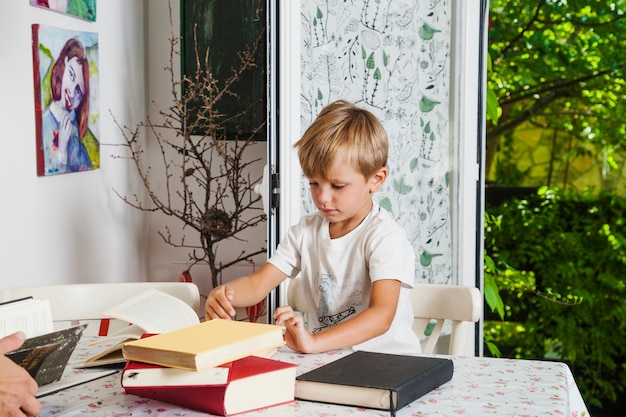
{"type": "Point", "coordinates": [459, 305]}
{"type": "Point", "coordinates": [87, 302]}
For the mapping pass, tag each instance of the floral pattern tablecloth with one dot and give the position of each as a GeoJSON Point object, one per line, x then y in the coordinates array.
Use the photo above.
{"type": "Point", "coordinates": [480, 386]}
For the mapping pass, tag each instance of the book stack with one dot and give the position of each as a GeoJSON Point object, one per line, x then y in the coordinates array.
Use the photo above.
{"type": "Point", "coordinates": [219, 367]}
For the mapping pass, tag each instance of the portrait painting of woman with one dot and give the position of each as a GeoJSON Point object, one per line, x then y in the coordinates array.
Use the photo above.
{"type": "Point", "coordinates": [66, 112]}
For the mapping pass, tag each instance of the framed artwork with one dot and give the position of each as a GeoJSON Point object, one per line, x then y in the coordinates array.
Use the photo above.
{"type": "Point", "coordinates": [84, 9]}
{"type": "Point", "coordinates": [65, 74]}
{"type": "Point", "coordinates": [225, 28]}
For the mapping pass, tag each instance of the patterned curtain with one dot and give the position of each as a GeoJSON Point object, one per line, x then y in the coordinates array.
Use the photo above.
{"type": "Point", "coordinates": [392, 58]}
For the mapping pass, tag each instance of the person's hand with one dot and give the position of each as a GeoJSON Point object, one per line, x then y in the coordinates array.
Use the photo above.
{"type": "Point", "coordinates": [297, 337]}
{"type": "Point", "coordinates": [66, 127]}
{"type": "Point", "coordinates": [218, 303]}
{"type": "Point", "coordinates": [18, 390]}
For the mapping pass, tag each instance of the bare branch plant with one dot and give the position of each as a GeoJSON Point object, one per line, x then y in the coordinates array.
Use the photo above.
{"type": "Point", "coordinates": [206, 181]}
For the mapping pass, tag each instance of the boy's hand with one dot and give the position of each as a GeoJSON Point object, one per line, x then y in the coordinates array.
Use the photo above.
{"type": "Point", "coordinates": [297, 336]}
{"type": "Point", "coordinates": [218, 303]}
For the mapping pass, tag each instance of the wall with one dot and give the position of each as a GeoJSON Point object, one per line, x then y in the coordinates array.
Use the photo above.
{"type": "Point", "coordinates": [70, 228]}
{"type": "Point", "coordinates": [74, 228]}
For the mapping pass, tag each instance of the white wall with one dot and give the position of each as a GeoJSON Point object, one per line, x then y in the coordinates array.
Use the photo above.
{"type": "Point", "coordinates": [73, 228]}
{"type": "Point", "coordinates": [70, 228]}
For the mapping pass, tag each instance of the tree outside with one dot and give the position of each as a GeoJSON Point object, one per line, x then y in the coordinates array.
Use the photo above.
{"type": "Point", "coordinates": [558, 75]}
{"type": "Point", "coordinates": [556, 256]}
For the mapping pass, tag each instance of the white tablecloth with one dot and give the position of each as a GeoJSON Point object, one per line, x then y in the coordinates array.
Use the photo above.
{"type": "Point", "coordinates": [480, 386]}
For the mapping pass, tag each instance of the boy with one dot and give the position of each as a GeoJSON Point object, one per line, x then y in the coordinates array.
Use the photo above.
{"type": "Point", "coordinates": [356, 263]}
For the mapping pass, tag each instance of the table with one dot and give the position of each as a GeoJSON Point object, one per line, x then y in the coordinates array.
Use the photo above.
{"type": "Point", "coordinates": [480, 386]}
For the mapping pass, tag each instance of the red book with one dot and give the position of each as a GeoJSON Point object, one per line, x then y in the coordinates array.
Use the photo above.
{"type": "Point", "coordinates": [253, 382]}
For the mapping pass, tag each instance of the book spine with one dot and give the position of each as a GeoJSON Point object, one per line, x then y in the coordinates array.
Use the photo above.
{"type": "Point", "coordinates": [424, 383]}
{"type": "Point", "coordinates": [209, 399]}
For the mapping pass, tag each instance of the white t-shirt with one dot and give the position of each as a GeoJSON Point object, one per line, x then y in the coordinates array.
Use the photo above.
{"type": "Point", "coordinates": [338, 273]}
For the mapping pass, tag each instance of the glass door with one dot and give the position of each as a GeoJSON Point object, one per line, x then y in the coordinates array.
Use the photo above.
{"type": "Point", "coordinates": [419, 67]}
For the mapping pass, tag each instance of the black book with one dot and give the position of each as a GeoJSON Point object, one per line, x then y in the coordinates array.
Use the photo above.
{"type": "Point", "coordinates": [374, 380]}
{"type": "Point", "coordinates": [45, 356]}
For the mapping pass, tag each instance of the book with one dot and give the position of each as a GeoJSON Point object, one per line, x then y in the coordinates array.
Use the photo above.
{"type": "Point", "coordinates": [253, 383]}
{"type": "Point", "coordinates": [138, 374]}
{"type": "Point", "coordinates": [144, 374]}
{"type": "Point", "coordinates": [46, 356]}
{"type": "Point", "coordinates": [72, 380]}
{"type": "Point", "coordinates": [374, 380]}
{"type": "Point", "coordinates": [46, 352]}
{"type": "Point", "coordinates": [29, 315]}
{"type": "Point", "coordinates": [152, 311]}
{"type": "Point", "coordinates": [205, 345]}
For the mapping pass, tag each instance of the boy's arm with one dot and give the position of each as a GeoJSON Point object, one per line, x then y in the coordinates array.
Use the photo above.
{"type": "Point", "coordinates": [372, 322]}
{"type": "Point", "coordinates": [242, 292]}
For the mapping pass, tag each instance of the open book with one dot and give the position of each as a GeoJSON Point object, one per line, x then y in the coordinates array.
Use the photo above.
{"type": "Point", "coordinates": [29, 315]}
{"type": "Point", "coordinates": [46, 352]}
{"type": "Point", "coordinates": [150, 312]}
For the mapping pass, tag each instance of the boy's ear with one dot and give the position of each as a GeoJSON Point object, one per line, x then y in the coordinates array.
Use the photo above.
{"type": "Point", "coordinates": [378, 179]}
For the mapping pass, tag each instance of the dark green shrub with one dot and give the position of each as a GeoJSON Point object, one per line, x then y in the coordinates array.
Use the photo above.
{"type": "Point", "coordinates": [563, 286]}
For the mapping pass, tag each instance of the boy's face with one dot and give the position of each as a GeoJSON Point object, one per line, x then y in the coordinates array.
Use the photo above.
{"type": "Point", "coordinates": [345, 198]}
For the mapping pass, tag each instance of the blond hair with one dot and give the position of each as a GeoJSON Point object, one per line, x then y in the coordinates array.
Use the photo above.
{"type": "Point", "coordinates": [343, 133]}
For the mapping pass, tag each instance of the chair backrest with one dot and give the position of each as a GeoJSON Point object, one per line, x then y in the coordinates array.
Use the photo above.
{"type": "Point", "coordinates": [295, 295]}
{"type": "Point", "coordinates": [432, 303]}
{"type": "Point", "coordinates": [87, 302]}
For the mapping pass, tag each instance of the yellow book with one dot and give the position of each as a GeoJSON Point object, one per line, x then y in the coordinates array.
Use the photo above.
{"type": "Point", "coordinates": [205, 345]}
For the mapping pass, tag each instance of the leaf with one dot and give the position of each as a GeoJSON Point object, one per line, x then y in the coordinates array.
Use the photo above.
{"type": "Point", "coordinates": [493, 349]}
{"type": "Point", "coordinates": [427, 32]}
{"type": "Point", "coordinates": [492, 296]}
{"type": "Point", "coordinates": [371, 62]}
{"type": "Point", "coordinates": [429, 328]}
{"type": "Point", "coordinates": [386, 204]}
{"type": "Point", "coordinates": [426, 258]}
{"type": "Point", "coordinates": [494, 111]}
{"type": "Point", "coordinates": [427, 105]}
{"type": "Point", "coordinates": [401, 187]}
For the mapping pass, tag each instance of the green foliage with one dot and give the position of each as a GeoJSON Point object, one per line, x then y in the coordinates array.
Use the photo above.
{"type": "Point", "coordinates": [493, 109]}
{"type": "Point", "coordinates": [558, 262]}
{"type": "Point", "coordinates": [558, 65]}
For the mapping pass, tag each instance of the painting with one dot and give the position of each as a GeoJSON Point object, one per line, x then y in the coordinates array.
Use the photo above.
{"type": "Point", "coordinates": [84, 9]}
{"type": "Point", "coordinates": [225, 28]}
{"type": "Point", "coordinates": [65, 73]}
